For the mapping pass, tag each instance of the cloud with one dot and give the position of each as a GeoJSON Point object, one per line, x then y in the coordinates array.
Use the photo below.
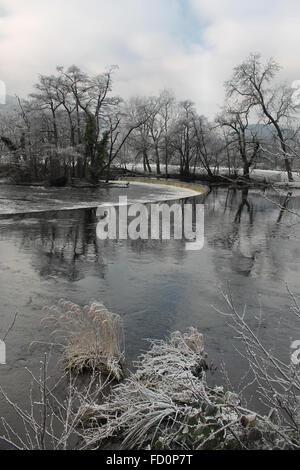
{"type": "Point", "coordinates": [190, 46]}
{"type": "Point", "coordinates": [3, 11]}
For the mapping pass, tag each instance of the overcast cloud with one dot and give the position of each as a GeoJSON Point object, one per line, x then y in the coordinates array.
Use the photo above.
{"type": "Point", "coordinates": [189, 46]}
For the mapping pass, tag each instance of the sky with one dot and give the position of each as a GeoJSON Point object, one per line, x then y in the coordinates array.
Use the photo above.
{"type": "Point", "coordinates": [188, 46]}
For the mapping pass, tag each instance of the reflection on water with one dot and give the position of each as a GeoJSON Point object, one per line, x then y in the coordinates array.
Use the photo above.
{"type": "Point", "coordinates": [156, 286]}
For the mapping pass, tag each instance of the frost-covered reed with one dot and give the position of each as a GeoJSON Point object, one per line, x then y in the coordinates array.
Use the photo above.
{"type": "Point", "coordinates": [92, 337]}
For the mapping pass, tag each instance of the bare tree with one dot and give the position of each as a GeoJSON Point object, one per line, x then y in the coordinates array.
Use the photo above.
{"type": "Point", "coordinates": [241, 137]}
{"type": "Point", "coordinates": [208, 145]}
{"type": "Point", "coordinates": [46, 99]}
{"type": "Point", "coordinates": [251, 85]}
{"type": "Point", "coordinates": [184, 137]}
{"type": "Point", "coordinates": [143, 112]}
{"type": "Point", "coordinates": [167, 114]}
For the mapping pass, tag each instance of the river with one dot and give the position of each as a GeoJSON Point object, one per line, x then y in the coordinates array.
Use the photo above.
{"type": "Point", "coordinates": [50, 251]}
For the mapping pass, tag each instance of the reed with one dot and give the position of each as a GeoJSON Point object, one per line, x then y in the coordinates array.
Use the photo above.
{"type": "Point", "coordinates": [92, 337]}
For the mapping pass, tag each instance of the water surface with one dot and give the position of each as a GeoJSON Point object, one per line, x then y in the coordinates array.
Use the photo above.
{"type": "Point", "coordinates": [251, 248]}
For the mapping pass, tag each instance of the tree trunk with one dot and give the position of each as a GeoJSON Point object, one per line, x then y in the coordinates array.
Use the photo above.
{"type": "Point", "coordinates": [246, 170]}
{"type": "Point", "coordinates": [157, 161]}
{"type": "Point", "coordinates": [147, 166]}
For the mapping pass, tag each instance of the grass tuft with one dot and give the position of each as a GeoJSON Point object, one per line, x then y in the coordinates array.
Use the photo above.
{"type": "Point", "coordinates": [93, 337]}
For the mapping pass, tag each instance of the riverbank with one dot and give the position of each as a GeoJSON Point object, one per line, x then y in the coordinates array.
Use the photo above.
{"type": "Point", "coordinates": [167, 404]}
{"type": "Point", "coordinates": [223, 177]}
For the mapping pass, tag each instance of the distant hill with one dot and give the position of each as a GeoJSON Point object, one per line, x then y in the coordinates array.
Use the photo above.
{"type": "Point", "coordinates": [10, 101]}
{"type": "Point", "coordinates": [262, 131]}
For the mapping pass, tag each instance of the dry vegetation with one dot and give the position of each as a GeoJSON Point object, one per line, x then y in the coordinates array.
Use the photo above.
{"type": "Point", "coordinates": [168, 404]}
{"type": "Point", "coordinates": [52, 419]}
{"type": "Point", "coordinates": [93, 337]}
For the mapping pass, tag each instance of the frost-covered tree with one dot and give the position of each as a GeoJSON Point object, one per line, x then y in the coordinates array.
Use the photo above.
{"type": "Point", "coordinates": [252, 85]}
